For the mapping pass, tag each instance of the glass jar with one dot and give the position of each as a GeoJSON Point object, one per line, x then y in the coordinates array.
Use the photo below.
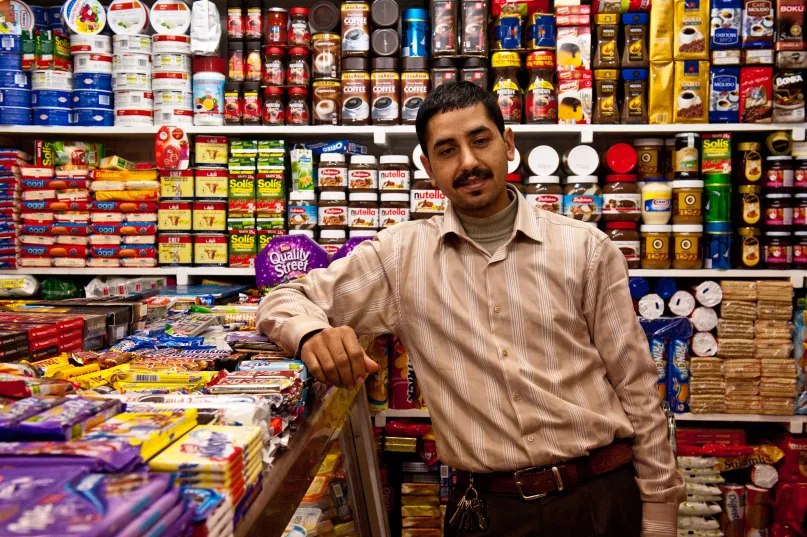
{"type": "Point", "coordinates": [299, 34]}
{"type": "Point", "coordinates": [332, 210]}
{"type": "Point", "coordinates": [687, 252]}
{"type": "Point", "coordinates": [332, 240]}
{"type": "Point", "coordinates": [394, 174]}
{"type": "Point", "coordinates": [625, 236]}
{"type": "Point", "coordinates": [298, 72]}
{"type": "Point", "coordinates": [362, 212]}
{"type": "Point", "coordinates": [475, 70]}
{"type": "Point", "coordinates": [606, 51]}
{"type": "Point", "coordinates": [800, 209]}
{"type": "Point", "coordinates": [777, 250]}
{"type": "Point", "coordinates": [362, 173]}
{"type": "Point", "coordinates": [542, 98]}
{"type": "Point", "coordinates": [687, 155]}
{"type": "Point", "coordinates": [273, 111]}
{"type": "Point", "coordinates": [506, 66]}
{"type": "Point", "coordinates": [648, 153]}
{"type": "Point", "coordinates": [656, 201]}
{"type": "Point", "coordinates": [253, 21]}
{"type": "Point", "coordinates": [274, 67]}
{"type": "Point", "coordinates": [621, 199]}
{"type": "Point", "coordinates": [251, 99]}
{"type": "Point", "coordinates": [235, 61]}
{"type": "Point", "coordinates": [356, 100]}
{"type": "Point", "coordinates": [748, 248]}
{"type": "Point", "coordinates": [425, 200]}
{"type": "Point", "coordinates": [276, 25]}
{"type": "Point", "coordinates": [415, 82]}
{"type": "Point", "coordinates": [385, 92]}
{"type": "Point", "coordinates": [332, 172]}
{"type": "Point", "coordinates": [582, 198]}
{"type": "Point", "coordinates": [778, 210]}
{"type": "Point", "coordinates": [800, 250]}
{"type": "Point", "coordinates": [800, 174]}
{"type": "Point", "coordinates": [235, 20]}
{"type": "Point", "coordinates": [717, 246]}
{"type": "Point", "coordinates": [656, 246]}
{"type": "Point", "coordinates": [443, 70]}
{"type": "Point", "coordinates": [749, 205]}
{"type": "Point", "coordinates": [544, 192]}
{"type": "Point", "coordinates": [779, 173]}
{"type": "Point", "coordinates": [252, 62]}
{"type": "Point", "coordinates": [394, 208]}
{"type": "Point", "coordinates": [748, 163]}
{"type": "Point", "coordinates": [634, 96]}
{"type": "Point", "coordinates": [687, 202]}
{"type": "Point", "coordinates": [718, 197]}
{"type": "Point", "coordinates": [233, 103]}
{"type": "Point", "coordinates": [297, 112]}
{"type": "Point", "coordinates": [302, 212]}
{"type": "Point", "coordinates": [668, 159]}
{"type": "Point", "coordinates": [606, 108]}
{"type": "Point", "coordinates": [635, 51]}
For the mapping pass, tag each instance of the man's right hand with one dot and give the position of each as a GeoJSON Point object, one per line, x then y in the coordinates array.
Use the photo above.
{"type": "Point", "coordinates": [334, 356]}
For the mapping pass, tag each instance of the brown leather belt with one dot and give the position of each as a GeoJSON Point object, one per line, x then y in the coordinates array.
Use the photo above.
{"type": "Point", "coordinates": [534, 483]}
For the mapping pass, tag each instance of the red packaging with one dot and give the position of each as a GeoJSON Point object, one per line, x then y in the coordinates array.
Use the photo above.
{"type": "Point", "coordinates": [63, 322]}
{"type": "Point", "coordinates": [235, 22]}
{"type": "Point", "coordinates": [699, 437]}
{"type": "Point", "coordinates": [33, 331]}
{"type": "Point", "coordinates": [572, 15]}
{"type": "Point", "coordinates": [233, 107]}
{"type": "Point", "coordinates": [758, 511]}
{"type": "Point", "coordinates": [793, 467]}
{"type": "Point", "coordinates": [756, 92]}
{"type": "Point", "coordinates": [732, 518]}
{"type": "Point", "coordinates": [404, 391]}
{"type": "Point", "coordinates": [43, 343]}
{"type": "Point", "coordinates": [789, 509]}
{"type": "Point", "coordinates": [71, 334]}
{"type": "Point", "coordinates": [71, 344]}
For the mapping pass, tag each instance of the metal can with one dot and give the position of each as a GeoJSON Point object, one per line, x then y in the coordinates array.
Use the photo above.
{"type": "Point", "coordinates": [132, 63]}
{"type": "Point", "coordinates": [133, 118]}
{"type": "Point", "coordinates": [210, 250]}
{"type": "Point", "coordinates": [174, 216]}
{"type": "Point", "coordinates": [172, 81]}
{"type": "Point", "coordinates": [416, 31]}
{"type": "Point", "coordinates": [172, 115]}
{"type": "Point", "coordinates": [175, 249]}
{"type": "Point", "coordinates": [172, 62]}
{"type": "Point", "coordinates": [90, 43]}
{"type": "Point", "coordinates": [717, 189]}
{"type": "Point", "coordinates": [211, 183]}
{"type": "Point", "coordinates": [134, 99]}
{"type": "Point", "coordinates": [176, 184]}
{"type": "Point", "coordinates": [131, 81]}
{"type": "Point", "coordinates": [209, 217]}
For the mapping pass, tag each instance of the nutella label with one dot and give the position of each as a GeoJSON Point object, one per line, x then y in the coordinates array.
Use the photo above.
{"type": "Point", "coordinates": [621, 203]}
{"type": "Point", "coordinates": [385, 95]}
{"type": "Point", "coordinates": [355, 97]}
{"type": "Point", "coordinates": [546, 202]}
{"type": "Point", "coordinates": [362, 217]}
{"type": "Point", "coordinates": [355, 28]}
{"type": "Point", "coordinates": [394, 179]}
{"type": "Point", "coordinates": [427, 201]}
{"type": "Point", "coordinates": [630, 249]}
{"type": "Point", "coordinates": [363, 179]}
{"type": "Point", "coordinates": [332, 176]}
{"type": "Point", "coordinates": [332, 216]}
{"type": "Point", "coordinates": [414, 89]}
{"type": "Point", "coordinates": [394, 215]}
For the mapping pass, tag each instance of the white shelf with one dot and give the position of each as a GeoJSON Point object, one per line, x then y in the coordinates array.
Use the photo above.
{"type": "Point", "coordinates": [795, 276]}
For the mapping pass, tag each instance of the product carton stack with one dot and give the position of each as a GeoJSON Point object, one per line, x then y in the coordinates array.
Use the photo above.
{"type": "Point", "coordinates": [270, 192]}
{"type": "Point", "coordinates": [575, 79]}
{"type": "Point", "coordinates": [736, 346]}
{"type": "Point", "coordinates": [420, 509]}
{"type": "Point", "coordinates": [774, 349]}
{"type": "Point", "coordinates": [241, 201]}
{"type": "Point", "coordinates": [10, 162]}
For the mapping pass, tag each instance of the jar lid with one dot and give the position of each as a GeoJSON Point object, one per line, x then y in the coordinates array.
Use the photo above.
{"type": "Point", "coordinates": [324, 16]}
{"type": "Point", "coordinates": [386, 42]}
{"type": "Point", "coordinates": [277, 10]}
{"type": "Point", "coordinates": [718, 227]}
{"type": "Point", "coordinates": [687, 135]}
{"type": "Point", "coordinates": [620, 225]}
{"type": "Point", "coordinates": [778, 196]}
{"type": "Point", "coordinates": [543, 160]}
{"type": "Point", "coordinates": [273, 90]}
{"type": "Point", "coordinates": [297, 90]}
{"type": "Point", "coordinates": [235, 45]}
{"type": "Point", "coordinates": [505, 59]}
{"type": "Point", "coordinates": [582, 160]}
{"type": "Point", "coordinates": [232, 86]}
{"type": "Point", "coordinates": [421, 175]}
{"type": "Point", "coordinates": [385, 63]}
{"type": "Point", "coordinates": [687, 183]}
{"type": "Point", "coordinates": [749, 189]}
{"type": "Point", "coordinates": [779, 157]}
{"type": "Point", "coordinates": [385, 13]}
{"type": "Point", "coordinates": [363, 233]}
{"type": "Point", "coordinates": [749, 231]}
{"type": "Point", "coordinates": [543, 179]}
{"type": "Point", "coordinates": [272, 51]}
{"type": "Point", "coordinates": [363, 196]}
{"type": "Point", "coordinates": [749, 146]}
{"type": "Point", "coordinates": [513, 178]}
{"type": "Point", "coordinates": [415, 14]}
{"type": "Point", "coordinates": [299, 11]}
{"type": "Point", "coordinates": [415, 63]}
{"type": "Point", "coordinates": [355, 64]}
{"type": "Point", "coordinates": [512, 165]}
{"type": "Point", "coordinates": [362, 159]}
{"type": "Point", "coordinates": [253, 45]}
{"type": "Point", "coordinates": [648, 141]}
{"type": "Point", "coordinates": [778, 233]}
{"type": "Point", "coordinates": [621, 158]}
{"type": "Point", "coordinates": [800, 233]}
{"type": "Point", "coordinates": [307, 232]}
{"type": "Point", "coordinates": [301, 51]}
{"type": "Point", "coordinates": [209, 63]}
{"type": "Point", "coordinates": [394, 159]}
{"type": "Point", "coordinates": [581, 179]}
{"type": "Point", "coordinates": [332, 234]}
{"type": "Point", "coordinates": [801, 195]}
{"type": "Point", "coordinates": [801, 157]}
{"type": "Point", "coordinates": [606, 74]}
{"type": "Point", "coordinates": [332, 157]}
{"type": "Point", "coordinates": [473, 63]}
{"type": "Point", "coordinates": [395, 196]}
{"type": "Point", "coordinates": [635, 18]}
{"type": "Point", "coordinates": [656, 228]}
{"type": "Point", "coordinates": [332, 195]}
{"type": "Point", "coordinates": [687, 228]}
{"type": "Point", "coordinates": [252, 87]}
{"type": "Point", "coordinates": [620, 178]}
{"type": "Point", "coordinates": [635, 74]}
{"type": "Point", "coordinates": [438, 63]}
{"type": "Point", "coordinates": [669, 142]}
{"type": "Point", "coordinates": [655, 180]}
{"type": "Point", "coordinates": [302, 195]}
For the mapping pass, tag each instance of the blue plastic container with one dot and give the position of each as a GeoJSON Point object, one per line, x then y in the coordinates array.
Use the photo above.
{"type": "Point", "coordinates": [92, 81]}
{"type": "Point", "coordinates": [52, 117]}
{"type": "Point", "coordinates": [11, 61]}
{"type": "Point", "coordinates": [15, 79]}
{"type": "Point", "coordinates": [51, 99]}
{"type": "Point", "coordinates": [11, 43]}
{"type": "Point", "coordinates": [14, 115]}
{"type": "Point", "coordinates": [93, 99]}
{"type": "Point", "coordinates": [40, 16]}
{"type": "Point", "coordinates": [15, 97]}
{"type": "Point", "coordinates": [55, 17]}
{"type": "Point", "coordinates": [93, 117]}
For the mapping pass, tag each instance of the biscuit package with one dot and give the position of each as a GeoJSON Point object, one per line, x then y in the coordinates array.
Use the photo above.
{"type": "Point", "coordinates": [691, 92]}
{"type": "Point", "coordinates": [691, 28]}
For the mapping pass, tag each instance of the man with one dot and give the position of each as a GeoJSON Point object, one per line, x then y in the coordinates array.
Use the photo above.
{"type": "Point", "coordinates": [522, 334]}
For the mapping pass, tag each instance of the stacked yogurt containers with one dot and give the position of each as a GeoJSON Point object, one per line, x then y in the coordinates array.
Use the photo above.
{"type": "Point", "coordinates": [92, 80]}
{"type": "Point", "coordinates": [51, 96]}
{"type": "Point", "coordinates": [131, 80]}
{"type": "Point", "coordinates": [173, 75]}
{"type": "Point", "coordinates": [15, 87]}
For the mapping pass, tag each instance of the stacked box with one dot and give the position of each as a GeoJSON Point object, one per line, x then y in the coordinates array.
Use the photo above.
{"type": "Point", "coordinates": [10, 175]}
{"type": "Point", "coordinates": [211, 186]}
{"type": "Point", "coordinates": [420, 509]}
{"type": "Point", "coordinates": [270, 192]}
{"type": "Point", "coordinates": [175, 218]}
{"type": "Point", "coordinates": [29, 336]}
{"type": "Point", "coordinates": [773, 347]}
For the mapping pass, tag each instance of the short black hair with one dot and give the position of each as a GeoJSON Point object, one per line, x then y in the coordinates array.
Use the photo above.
{"type": "Point", "coordinates": [455, 96]}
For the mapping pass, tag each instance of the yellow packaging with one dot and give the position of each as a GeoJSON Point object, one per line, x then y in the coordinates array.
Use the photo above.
{"type": "Point", "coordinates": [211, 150]}
{"type": "Point", "coordinates": [691, 92]}
{"type": "Point", "coordinates": [174, 216]}
{"type": "Point", "coordinates": [177, 187]}
{"type": "Point", "coordinates": [179, 377]}
{"type": "Point", "coordinates": [210, 250]}
{"type": "Point", "coordinates": [209, 216]}
{"type": "Point", "coordinates": [661, 93]}
{"type": "Point", "coordinates": [175, 249]}
{"type": "Point", "coordinates": [72, 372]}
{"type": "Point", "coordinates": [691, 30]}
{"type": "Point", "coordinates": [662, 22]}
{"type": "Point", "coordinates": [424, 501]}
{"type": "Point", "coordinates": [420, 510]}
{"type": "Point", "coordinates": [49, 366]}
{"type": "Point", "coordinates": [127, 195]}
{"type": "Point", "coordinates": [124, 387]}
{"type": "Point", "coordinates": [124, 175]}
{"type": "Point", "coordinates": [211, 184]}
{"type": "Point", "coordinates": [99, 378]}
{"type": "Point", "coordinates": [420, 489]}
{"type": "Point", "coordinates": [115, 162]}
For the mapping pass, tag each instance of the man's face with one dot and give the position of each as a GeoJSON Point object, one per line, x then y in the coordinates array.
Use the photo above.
{"type": "Point", "coordinates": [468, 158]}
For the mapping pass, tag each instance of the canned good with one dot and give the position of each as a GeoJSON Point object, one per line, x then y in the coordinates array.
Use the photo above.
{"type": "Point", "coordinates": [52, 117]}
{"type": "Point", "coordinates": [12, 115]}
{"type": "Point", "coordinates": [172, 115]}
{"type": "Point", "coordinates": [171, 81]}
{"type": "Point", "coordinates": [131, 81]}
{"type": "Point", "coordinates": [15, 97]}
{"type": "Point", "coordinates": [133, 118]}
{"type": "Point", "coordinates": [211, 150]}
{"type": "Point", "coordinates": [14, 79]}
{"type": "Point", "coordinates": [92, 63]}
{"type": "Point", "coordinates": [50, 98]}
{"type": "Point", "coordinates": [131, 44]}
{"type": "Point", "coordinates": [209, 216]}
{"type": "Point", "coordinates": [177, 99]}
{"type": "Point", "coordinates": [93, 117]}
{"type": "Point", "coordinates": [93, 81]}
{"type": "Point", "coordinates": [211, 183]}
{"type": "Point", "coordinates": [210, 250]}
{"type": "Point", "coordinates": [171, 44]}
{"type": "Point", "coordinates": [176, 184]}
{"type": "Point", "coordinates": [51, 80]}
{"type": "Point", "coordinates": [92, 44]}
{"type": "Point", "coordinates": [135, 99]}
{"type": "Point", "coordinates": [132, 63]}
{"type": "Point", "coordinates": [174, 216]}
{"type": "Point", "coordinates": [172, 62]}
{"type": "Point", "coordinates": [717, 189]}
{"type": "Point", "coordinates": [175, 249]}
{"type": "Point", "coordinates": [92, 99]}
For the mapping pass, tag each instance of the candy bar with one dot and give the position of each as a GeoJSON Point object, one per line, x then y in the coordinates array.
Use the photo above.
{"type": "Point", "coordinates": [68, 420]}
{"type": "Point", "coordinates": [147, 519]}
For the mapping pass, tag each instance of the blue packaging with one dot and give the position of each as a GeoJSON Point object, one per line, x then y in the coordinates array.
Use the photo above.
{"type": "Point", "coordinates": [11, 60]}
{"type": "Point", "coordinates": [416, 33]}
{"type": "Point", "coordinates": [15, 97]}
{"type": "Point", "coordinates": [92, 99]}
{"type": "Point", "coordinates": [658, 352]}
{"type": "Point", "coordinates": [678, 375]}
{"type": "Point", "coordinates": [50, 99]}
{"type": "Point", "coordinates": [13, 115]}
{"type": "Point", "coordinates": [724, 95]}
{"type": "Point", "coordinates": [55, 18]}
{"type": "Point", "coordinates": [11, 43]}
{"type": "Point", "coordinates": [52, 117]}
{"type": "Point", "coordinates": [638, 287]}
{"type": "Point", "coordinates": [717, 245]}
{"type": "Point", "coordinates": [14, 79]}
{"type": "Point", "coordinates": [92, 81]}
{"type": "Point", "coordinates": [40, 15]}
{"type": "Point", "coordinates": [93, 117]}
{"type": "Point", "coordinates": [726, 24]}
{"type": "Point", "coordinates": [665, 287]}
{"type": "Point", "coordinates": [541, 33]}
{"type": "Point", "coordinates": [508, 32]}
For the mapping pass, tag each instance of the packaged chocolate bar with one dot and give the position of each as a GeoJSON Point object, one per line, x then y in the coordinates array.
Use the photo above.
{"type": "Point", "coordinates": [11, 414]}
{"type": "Point", "coordinates": [148, 518]}
{"type": "Point", "coordinates": [23, 486]}
{"type": "Point", "coordinates": [69, 420]}
{"type": "Point", "coordinates": [111, 455]}
{"type": "Point", "coordinates": [151, 431]}
{"type": "Point", "coordinates": [208, 448]}
{"type": "Point", "coordinates": [19, 387]}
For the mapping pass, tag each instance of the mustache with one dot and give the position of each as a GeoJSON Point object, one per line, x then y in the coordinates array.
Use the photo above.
{"type": "Point", "coordinates": [477, 173]}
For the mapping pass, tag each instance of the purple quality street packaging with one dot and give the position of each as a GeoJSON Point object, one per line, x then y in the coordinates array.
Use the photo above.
{"type": "Point", "coordinates": [286, 258]}
{"type": "Point", "coordinates": [348, 247]}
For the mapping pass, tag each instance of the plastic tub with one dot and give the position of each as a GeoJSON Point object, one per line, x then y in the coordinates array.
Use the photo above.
{"type": "Point", "coordinates": [172, 62]}
{"type": "Point", "coordinates": [12, 115]}
{"type": "Point", "coordinates": [73, 15]}
{"type": "Point", "coordinates": [131, 44]}
{"type": "Point", "coordinates": [93, 117]}
{"type": "Point", "coordinates": [92, 63]}
{"type": "Point", "coordinates": [15, 97]}
{"type": "Point", "coordinates": [92, 99]}
{"type": "Point", "coordinates": [131, 81]}
{"type": "Point", "coordinates": [11, 60]}
{"type": "Point", "coordinates": [11, 43]}
{"type": "Point", "coordinates": [93, 81]}
{"type": "Point", "coordinates": [172, 81]}
{"type": "Point", "coordinates": [50, 99]}
{"type": "Point", "coordinates": [134, 99]}
{"type": "Point", "coordinates": [171, 115]}
{"type": "Point", "coordinates": [90, 44]}
{"type": "Point", "coordinates": [14, 79]}
{"type": "Point", "coordinates": [133, 118]}
{"type": "Point", "coordinates": [171, 44]}
{"type": "Point", "coordinates": [51, 80]}
{"type": "Point", "coordinates": [132, 63]}
{"type": "Point", "coordinates": [52, 117]}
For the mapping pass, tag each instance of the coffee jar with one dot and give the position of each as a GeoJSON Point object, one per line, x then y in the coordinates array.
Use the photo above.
{"type": "Point", "coordinates": [325, 104]}
{"type": "Point", "coordinates": [355, 92]}
{"type": "Point", "coordinates": [326, 55]}
{"type": "Point", "coordinates": [355, 28]}
{"type": "Point", "coordinates": [414, 87]}
{"type": "Point", "coordinates": [385, 90]}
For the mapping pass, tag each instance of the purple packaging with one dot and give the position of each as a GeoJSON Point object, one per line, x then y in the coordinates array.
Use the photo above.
{"type": "Point", "coordinates": [165, 525]}
{"type": "Point", "coordinates": [151, 516]}
{"type": "Point", "coordinates": [678, 375]}
{"type": "Point", "coordinates": [348, 247]}
{"type": "Point", "coordinates": [19, 487]}
{"type": "Point", "coordinates": [203, 502]}
{"type": "Point", "coordinates": [286, 258]}
{"type": "Point", "coordinates": [12, 414]}
{"type": "Point", "coordinates": [68, 420]}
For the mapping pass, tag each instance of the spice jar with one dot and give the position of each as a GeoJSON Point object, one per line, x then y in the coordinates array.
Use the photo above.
{"type": "Point", "coordinates": [779, 173]}
{"type": "Point", "coordinates": [747, 248]}
{"type": "Point", "coordinates": [273, 111]}
{"type": "Point", "coordinates": [276, 24]}
{"type": "Point", "coordinates": [777, 250]}
{"type": "Point", "coordinates": [332, 172]}
{"type": "Point", "coordinates": [235, 20]}
{"type": "Point", "coordinates": [687, 202]}
{"type": "Point", "coordinates": [687, 247]}
{"type": "Point", "coordinates": [332, 210]}
{"type": "Point", "coordinates": [362, 212]}
{"type": "Point", "coordinates": [625, 236]}
{"type": "Point", "coordinates": [800, 174]}
{"type": "Point", "coordinates": [800, 209]}
{"type": "Point", "coordinates": [332, 240]}
{"type": "Point", "coordinates": [253, 25]}
{"type": "Point", "coordinates": [355, 91]}
{"type": "Point", "coordinates": [717, 246]}
{"type": "Point", "coordinates": [394, 208]}
{"type": "Point", "coordinates": [606, 51]}
{"type": "Point", "coordinates": [506, 66]}
{"type": "Point", "coordinates": [299, 34]}
{"type": "Point", "coordinates": [425, 200]}
{"type": "Point", "coordinates": [542, 97]}
{"type": "Point", "coordinates": [656, 246]}
{"type": "Point", "coordinates": [235, 61]}
{"type": "Point", "coordinates": [274, 69]}
{"type": "Point", "coordinates": [656, 201]}
{"type": "Point", "coordinates": [687, 155]}
{"type": "Point", "coordinates": [634, 103]}
{"type": "Point", "coordinates": [544, 192]}
{"type": "Point", "coordinates": [297, 112]}
{"type": "Point", "coordinates": [717, 188]}
{"type": "Point", "coordinates": [302, 210]}
{"type": "Point", "coordinates": [778, 210]}
{"type": "Point", "coordinates": [582, 198]}
{"type": "Point", "coordinates": [393, 174]}
{"type": "Point", "coordinates": [800, 250]}
{"type": "Point", "coordinates": [252, 62]}
{"type": "Point", "coordinates": [748, 163]}
{"type": "Point", "coordinates": [621, 199]}
{"type": "Point", "coordinates": [606, 109]}
{"type": "Point", "coordinates": [635, 51]}
{"type": "Point", "coordinates": [251, 103]}
{"type": "Point", "coordinates": [648, 153]}
{"type": "Point", "coordinates": [233, 105]}
{"type": "Point", "coordinates": [298, 72]}
{"type": "Point", "coordinates": [362, 173]}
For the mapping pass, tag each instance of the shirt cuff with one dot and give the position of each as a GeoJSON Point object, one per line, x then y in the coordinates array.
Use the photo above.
{"type": "Point", "coordinates": [659, 519]}
{"type": "Point", "coordinates": [297, 328]}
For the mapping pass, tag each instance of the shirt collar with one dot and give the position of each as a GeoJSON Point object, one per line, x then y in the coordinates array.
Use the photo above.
{"type": "Point", "coordinates": [526, 220]}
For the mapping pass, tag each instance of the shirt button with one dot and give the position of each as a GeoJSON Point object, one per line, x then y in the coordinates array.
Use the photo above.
{"type": "Point", "coordinates": [504, 353]}
{"type": "Point", "coordinates": [531, 438]}
{"type": "Point", "coordinates": [518, 397]}
{"type": "Point", "coordinates": [497, 309]}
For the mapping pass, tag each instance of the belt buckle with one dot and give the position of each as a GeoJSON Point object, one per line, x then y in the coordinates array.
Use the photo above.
{"type": "Point", "coordinates": [517, 475]}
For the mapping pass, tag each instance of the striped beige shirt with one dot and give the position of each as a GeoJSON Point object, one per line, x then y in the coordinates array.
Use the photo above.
{"type": "Point", "coordinates": [528, 357]}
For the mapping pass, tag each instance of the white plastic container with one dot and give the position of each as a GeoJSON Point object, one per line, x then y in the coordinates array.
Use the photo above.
{"type": "Point", "coordinates": [127, 17]}
{"type": "Point", "coordinates": [171, 44]}
{"type": "Point", "coordinates": [170, 115]}
{"type": "Point", "coordinates": [131, 81]}
{"type": "Point", "coordinates": [208, 91]}
{"type": "Point", "coordinates": [656, 202]}
{"type": "Point", "coordinates": [52, 80]}
{"type": "Point", "coordinates": [74, 16]}
{"type": "Point", "coordinates": [171, 62]}
{"type": "Point", "coordinates": [172, 81]}
{"type": "Point", "coordinates": [92, 63]}
{"type": "Point", "coordinates": [133, 118]}
{"type": "Point", "coordinates": [134, 99]}
{"type": "Point", "coordinates": [543, 160]}
{"type": "Point", "coordinates": [170, 17]}
{"type": "Point", "coordinates": [132, 63]}
{"type": "Point", "coordinates": [90, 44]}
{"type": "Point", "coordinates": [178, 99]}
{"type": "Point", "coordinates": [131, 44]}
{"type": "Point", "coordinates": [581, 160]}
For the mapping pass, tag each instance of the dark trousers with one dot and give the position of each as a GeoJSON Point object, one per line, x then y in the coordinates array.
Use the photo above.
{"type": "Point", "coordinates": [607, 505]}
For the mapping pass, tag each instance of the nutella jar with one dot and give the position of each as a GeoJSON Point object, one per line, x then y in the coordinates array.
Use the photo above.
{"type": "Point", "coordinates": [332, 240]}
{"type": "Point", "coordinates": [362, 173]}
{"type": "Point", "coordinates": [362, 212]}
{"type": "Point", "coordinates": [302, 210]}
{"type": "Point", "coordinates": [394, 208]}
{"type": "Point", "coordinates": [385, 91]}
{"type": "Point", "coordinates": [415, 82]}
{"type": "Point", "coordinates": [394, 173]}
{"type": "Point", "coordinates": [355, 28]}
{"type": "Point", "coordinates": [621, 199]}
{"type": "Point", "coordinates": [425, 200]}
{"type": "Point", "coordinates": [625, 236]}
{"type": "Point", "coordinates": [327, 97]}
{"type": "Point", "coordinates": [332, 172]}
{"type": "Point", "coordinates": [358, 232]}
{"type": "Point", "coordinates": [332, 210]}
{"type": "Point", "coordinates": [544, 192]}
{"type": "Point", "coordinates": [326, 55]}
{"type": "Point", "coordinates": [355, 92]}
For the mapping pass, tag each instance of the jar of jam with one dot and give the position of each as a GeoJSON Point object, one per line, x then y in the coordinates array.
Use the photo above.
{"type": "Point", "coordinates": [778, 210]}
{"type": "Point", "coordinates": [362, 212]}
{"type": "Point", "coordinates": [299, 33]}
{"type": "Point", "coordinates": [621, 199]}
{"type": "Point", "coordinates": [276, 26]}
{"type": "Point", "coordinates": [800, 209]}
{"type": "Point", "coordinates": [274, 68]}
{"type": "Point", "coordinates": [235, 20]}
{"type": "Point", "coordinates": [297, 112]}
{"type": "Point", "coordinates": [800, 250]}
{"type": "Point", "coordinates": [252, 62]}
{"type": "Point", "coordinates": [273, 110]}
{"type": "Point", "coordinates": [506, 66]}
{"type": "Point", "coordinates": [656, 246]}
{"type": "Point", "coordinates": [332, 172]}
{"type": "Point", "coordinates": [687, 202]}
{"type": "Point", "coordinates": [251, 103]}
{"type": "Point", "coordinates": [748, 164]}
{"type": "Point", "coordinates": [544, 192]}
{"type": "Point", "coordinates": [302, 210]}
{"type": "Point", "coordinates": [233, 104]}
{"type": "Point", "coordinates": [777, 250]}
{"type": "Point", "coordinates": [687, 252]}
{"type": "Point", "coordinates": [394, 174]}
{"type": "Point", "coordinates": [800, 174]}
{"type": "Point", "coordinates": [235, 61]}
{"type": "Point", "coordinates": [362, 173]}
{"type": "Point", "coordinates": [298, 72]}
{"type": "Point", "coordinates": [749, 206]}
{"type": "Point", "coordinates": [648, 153]}
{"type": "Point", "coordinates": [425, 199]}
{"type": "Point", "coordinates": [779, 173]}
{"type": "Point", "coordinates": [332, 210]}
{"type": "Point", "coordinates": [332, 240]}
{"type": "Point", "coordinates": [625, 236]}
{"type": "Point", "coordinates": [542, 96]}
{"type": "Point", "coordinates": [748, 248]}
{"type": "Point", "coordinates": [394, 208]}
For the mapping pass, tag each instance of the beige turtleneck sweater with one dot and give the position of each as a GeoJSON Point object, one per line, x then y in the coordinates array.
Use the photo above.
{"type": "Point", "coordinates": [492, 231]}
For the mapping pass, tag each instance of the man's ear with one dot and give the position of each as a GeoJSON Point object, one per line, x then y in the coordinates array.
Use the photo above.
{"type": "Point", "coordinates": [510, 143]}
{"type": "Point", "coordinates": [428, 167]}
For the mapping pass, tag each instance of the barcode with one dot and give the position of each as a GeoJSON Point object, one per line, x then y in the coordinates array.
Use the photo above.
{"type": "Point", "coordinates": [337, 491]}
{"type": "Point", "coordinates": [103, 99]}
{"type": "Point", "coordinates": [134, 99]}
{"type": "Point", "coordinates": [444, 472]}
{"type": "Point", "coordinates": [7, 42]}
{"type": "Point", "coordinates": [166, 116]}
{"type": "Point", "coordinates": [146, 378]}
{"type": "Point", "coordinates": [82, 61]}
{"type": "Point", "coordinates": [20, 79]}
{"type": "Point", "coordinates": [661, 118]}
{"type": "Point", "coordinates": [142, 63]}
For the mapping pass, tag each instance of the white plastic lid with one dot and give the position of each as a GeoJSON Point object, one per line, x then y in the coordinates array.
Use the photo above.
{"type": "Point", "coordinates": [778, 233]}
{"type": "Point", "coordinates": [543, 160]}
{"type": "Point", "coordinates": [332, 196]}
{"type": "Point", "coordinates": [332, 234]}
{"type": "Point", "coordinates": [363, 196]}
{"type": "Point", "coordinates": [685, 228]}
{"type": "Point", "coordinates": [362, 159]}
{"type": "Point", "coordinates": [582, 160]}
{"type": "Point", "coordinates": [801, 157]}
{"type": "Point", "coordinates": [303, 195]}
{"type": "Point", "coordinates": [422, 175]}
{"type": "Point", "coordinates": [362, 233]}
{"type": "Point", "coordinates": [581, 179]}
{"type": "Point", "coordinates": [332, 158]}
{"type": "Point", "coordinates": [307, 232]}
{"type": "Point", "coordinates": [394, 196]}
{"type": "Point", "coordinates": [512, 165]}
{"type": "Point", "coordinates": [542, 179]}
{"type": "Point", "coordinates": [416, 154]}
{"type": "Point", "coordinates": [801, 195]}
{"type": "Point", "coordinates": [656, 228]}
{"type": "Point", "coordinates": [394, 159]}
{"type": "Point", "coordinates": [687, 183]}
{"type": "Point", "coordinates": [777, 195]}
{"type": "Point", "coordinates": [648, 141]}
{"type": "Point", "coordinates": [800, 233]}
{"type": "Point", "coordinates": [779, 157]}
